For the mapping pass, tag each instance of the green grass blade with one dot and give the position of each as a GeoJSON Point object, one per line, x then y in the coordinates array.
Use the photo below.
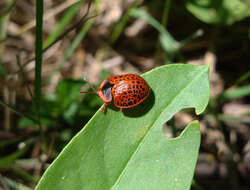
{"type": "Point", "coordinates": [8, 9]}
{"type": "Point", "coordinates": [167, 41]}
{"type": "Point", "coordinates": [3, 72]}
{"type": "Point", "coordinates": [118, 28]}
{"type": "Point", "coordinates": [13, 184]}
{"type": "Point", "coordinates": [66, 19]}
{"type": "Point", "coordinates": [243, 78]}
{"type": "Point", "coordinates": [4, 161]}
{"type": "Point", "coordinates": [38, 52]}
{"type": "Point", "coordinates": [77, 40]}
{"type": "Point", "coordinates": [165, 15]}
{"type": "Point", "coordinates": [13, 109]}
{"type": "Point", "coordinates": [23, 174]}
{"type": "Point", "coordinates": [236, 93]}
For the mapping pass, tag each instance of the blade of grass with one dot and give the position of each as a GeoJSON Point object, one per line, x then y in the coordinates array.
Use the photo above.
{"type": "Point", "coordinates": [4, 161]}
{"type": "Point", "coordinates": [77, 39]}
{"type": "Point", "coordinates": [53, 12]}
{"type": "Point", "coordinates": [38, 53]}
{"type": "Point", "coordinates": [228, 118]}
{"type": "Point", "coordinates": [3, 72]}
{"type": "Point", "coordinates": [164, 21]}
{"type": "Point", "coordinates": [9, 141]}
{"type": "Point", "coordinates": [233, 91]}
{"type": "Point", "coordinates": [68, 16]}
{"type": "Point", "coordinates": [9, 183]}
{"type": "Point", "coordinates": [244, 77]}
{"type": "Point", "coordinates": [171, 44]}
{"type": "Point", "coordinates": [22, 174]}
{"type": "Point", "coordinates": [117, 30]}
{"type": "Point", "coordinates": [81, 34]}
{"type": "Point", "coordinates": [76, 42]}
{"type": "Point", "coordinates": [236, 93]}
{"type": "Point", "coordinates": [165, 15]}
{"type": "Point", "coordinates": [13, 109]}
{"type": "Point", "coordinates": [4, 20]}
{"type": "Point", "coordinates": [8, 9]}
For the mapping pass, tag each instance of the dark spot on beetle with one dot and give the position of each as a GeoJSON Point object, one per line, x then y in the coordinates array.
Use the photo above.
{"type": "Point", "coordinates": [129, 88]}
{"type": "Point", "coordinates": [135, 101]}
{"type": "Point", "coordinates": [143, 89]}
{"type": "Point", "coordinates": [134, 95]}
{"type": "Point", "coordinates": [133, 82]}
{"type": "Point", "coordinates": [129, 85]}
{"type": "Point", "coordinates": [129, 91]}
{"type": "Point", "coordinates": [140, 86]}
{"type": "Point", "coordinates": [130, 103]}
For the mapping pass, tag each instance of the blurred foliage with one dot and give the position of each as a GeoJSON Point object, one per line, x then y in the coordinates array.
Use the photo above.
{"type": "Point", "coordinates": [65, 106]}
{"type": "Point", "coordinates": [224, 12]}
{"type": "Point", "coordinates": [3, 72]}
{"type": "Point", "coordinates": [64, 21]}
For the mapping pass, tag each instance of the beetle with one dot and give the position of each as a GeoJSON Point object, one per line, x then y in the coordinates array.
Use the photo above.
{"type": "Point", "coordinates": [126, 91]}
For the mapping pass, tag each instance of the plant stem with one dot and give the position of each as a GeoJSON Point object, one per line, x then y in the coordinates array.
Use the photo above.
{"type": "Point", "coordinates": [39, 60]}
{"type": "Point", "coordinates": [165, 15]}
{"type": "Point", "coordinates": [3, 26]}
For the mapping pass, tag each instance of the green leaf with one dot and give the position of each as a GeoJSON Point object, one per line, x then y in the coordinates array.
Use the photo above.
{"type": "Point", "coordinates": [219, 12]}
{"type": "Point", "coordinates": [128, 150]}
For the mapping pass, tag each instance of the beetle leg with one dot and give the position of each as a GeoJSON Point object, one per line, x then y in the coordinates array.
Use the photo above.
{"type": "Point", "coordinates": [104, 107]}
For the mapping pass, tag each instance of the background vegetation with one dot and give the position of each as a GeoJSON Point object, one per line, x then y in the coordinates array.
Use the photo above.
{"type": "Point", "coordinates": [42, 66]}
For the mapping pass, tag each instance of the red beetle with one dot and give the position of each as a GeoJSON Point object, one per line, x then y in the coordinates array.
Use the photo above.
{"type": "Point", "coordinates": [126, 91]}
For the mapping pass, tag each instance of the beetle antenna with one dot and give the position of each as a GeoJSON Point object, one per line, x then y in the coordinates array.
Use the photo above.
{"type": "Point", "coordinates": [91, 86]}
{"type": "Point", "coordinates": [84, 92]}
